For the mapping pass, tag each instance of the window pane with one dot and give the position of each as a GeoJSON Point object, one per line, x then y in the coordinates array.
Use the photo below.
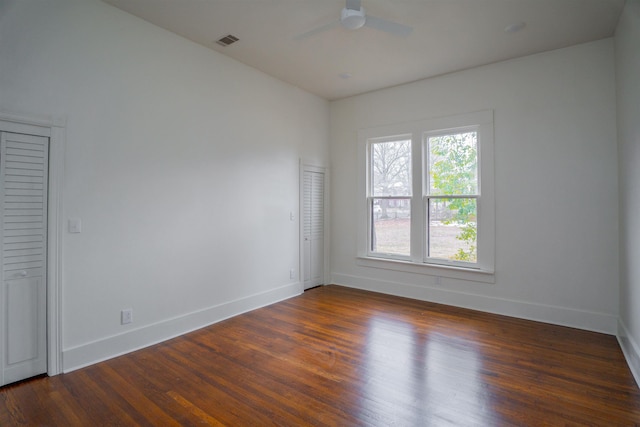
{"type": "Point", "coordinates": [391, 226]}
{"type": "Point", "coordinates": [453, 229]}
{"type": "Point", "coordinates": [453, 164]}
{"type": "Point", "coordinates": [391, 168]}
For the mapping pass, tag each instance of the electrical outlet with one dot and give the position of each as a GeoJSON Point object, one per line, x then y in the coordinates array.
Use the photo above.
{"type": "Point", "coordinates": [126, 316]}
{"type": "Point", "coordinates": [292, 274]}
{"type": "Point", "coordinates": [75, 225]}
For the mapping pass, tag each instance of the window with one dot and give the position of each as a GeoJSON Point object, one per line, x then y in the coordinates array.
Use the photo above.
{"type": "Point", "coordinates": [391, 196]}
{"type": "Point", "coordinates": [451, 196]}
{"type": "Point", "coordinates": [428, 195]}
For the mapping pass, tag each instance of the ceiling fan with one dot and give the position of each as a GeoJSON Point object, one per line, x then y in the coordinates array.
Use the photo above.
{"type": "Point", "coordinates": [354, 17]}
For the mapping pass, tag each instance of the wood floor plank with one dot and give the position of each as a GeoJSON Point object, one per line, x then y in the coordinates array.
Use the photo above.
{"type": "Point", "coordinates": [193, 409]}
{"type": "Point", "coordinates": [12, 398]}
{"type": "Point", "coordinates": [336, 356]}
{"type": "Point", "coordinates": [214, 392]}
{"type": "Point", "coordinates": [103, 404]}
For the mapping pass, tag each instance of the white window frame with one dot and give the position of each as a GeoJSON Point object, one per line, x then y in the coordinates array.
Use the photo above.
{"type": "Point", "coordinates": [418, 262]}
{"type": "Point", "coordinates": [427, 196]}
{"type": "Point", "coordinates": [371, 197]}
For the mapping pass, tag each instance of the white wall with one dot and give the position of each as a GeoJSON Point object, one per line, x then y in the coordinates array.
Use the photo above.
{"type": "Point", "coordinates": [555, 182]}
{"type": "Point", "coordinates": [627, 40]}
{"type": "Point", "coordinates": [181, 163]}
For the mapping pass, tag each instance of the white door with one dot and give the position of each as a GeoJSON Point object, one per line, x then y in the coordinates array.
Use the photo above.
{"type": "Point", "coordinates": [313, 229]}
{"type": "Point", "coordinates": [23, 198]}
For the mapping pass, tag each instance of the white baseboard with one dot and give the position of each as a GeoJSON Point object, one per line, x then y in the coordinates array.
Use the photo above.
{"type": "Point", "coordinates": [630, 349]}
{"type": "Point", "coordinates": [110, 347]}
{"type": "Point", "coordinates": [587, 320]}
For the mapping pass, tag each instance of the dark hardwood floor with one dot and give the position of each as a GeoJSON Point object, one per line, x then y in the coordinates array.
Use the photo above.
{"type": "Point", "coordinates": [338, 356]}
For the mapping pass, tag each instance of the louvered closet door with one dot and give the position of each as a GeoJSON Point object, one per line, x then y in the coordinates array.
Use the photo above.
{"type": "Point", "coordinates": [313, 206]}
{"type": "Point", "coordinates": [23, 194]}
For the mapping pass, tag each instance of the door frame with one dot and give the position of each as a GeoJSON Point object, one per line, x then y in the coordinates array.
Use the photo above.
{"type": "Point", "coordinates": [308, 166]}
{"type": "Point", "coordinates": [54, 128]}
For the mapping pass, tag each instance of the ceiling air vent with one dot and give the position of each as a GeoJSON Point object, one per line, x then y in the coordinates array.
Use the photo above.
{"type": "Point", "coordinates": [227, 40]}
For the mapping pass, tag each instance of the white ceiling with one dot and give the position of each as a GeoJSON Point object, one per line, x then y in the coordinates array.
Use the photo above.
{"type": "Point", "coordinates": [448, 35]}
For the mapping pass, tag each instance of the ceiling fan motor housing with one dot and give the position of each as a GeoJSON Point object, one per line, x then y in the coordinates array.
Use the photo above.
{"type": "Point", "coordinates": [352, 19]}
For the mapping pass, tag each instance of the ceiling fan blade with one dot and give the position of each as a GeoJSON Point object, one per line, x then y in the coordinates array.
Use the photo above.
{"type": "Point", "coordinates": [317, 30]}
{"type": "Point", "coordinates": [388, 26]}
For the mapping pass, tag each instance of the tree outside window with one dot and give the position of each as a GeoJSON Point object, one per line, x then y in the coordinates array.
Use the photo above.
{"type": "Point", "coordinates": [453, 171]}
{"type": "Point", "coordinates": [391, 201]}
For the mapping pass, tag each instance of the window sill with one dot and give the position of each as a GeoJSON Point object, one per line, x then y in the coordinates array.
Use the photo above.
{"type": "Point", "coordinates": [460, 273]}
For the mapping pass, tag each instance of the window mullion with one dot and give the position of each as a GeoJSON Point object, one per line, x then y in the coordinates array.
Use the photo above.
{"type": "Point", "coordinates": [417, 208]}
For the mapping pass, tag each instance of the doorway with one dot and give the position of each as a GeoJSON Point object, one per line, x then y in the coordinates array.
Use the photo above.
{"type": "Point", "coordinates": [24, 161]}
{"type": "Point", "coordinates": [313, 225]}
{"type": "Point", "coordinates": [31, 173]}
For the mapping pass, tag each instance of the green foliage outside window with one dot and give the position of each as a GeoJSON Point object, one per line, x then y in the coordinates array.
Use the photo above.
{"type": "Point", "coordinates": [453, 171]}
